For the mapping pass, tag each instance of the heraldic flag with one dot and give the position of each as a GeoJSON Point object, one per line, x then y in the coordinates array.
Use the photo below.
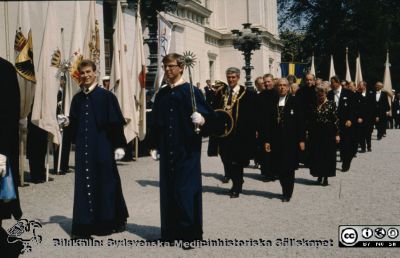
{"type": "Point", "coordinates": [24, 63]}
{"type": "Point", "coordinates": [47, 78]}
{"type": "Point", "coordinates": [293, 69]}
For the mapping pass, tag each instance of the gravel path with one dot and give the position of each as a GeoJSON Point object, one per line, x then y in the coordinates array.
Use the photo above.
{"type": "Point", "coordinates": [367, 194]}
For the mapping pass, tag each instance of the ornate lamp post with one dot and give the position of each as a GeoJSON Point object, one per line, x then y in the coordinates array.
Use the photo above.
{"type": "Point", "coordinates": [150, 9]}
{"type": "Point", "coordinates": [247, 40]}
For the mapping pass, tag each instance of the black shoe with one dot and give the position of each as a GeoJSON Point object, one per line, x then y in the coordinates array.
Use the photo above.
{"type": "Point", "coordinates": [325, 182]}
{"type": "Point", "coordinates": [225, 180]}
{"type": "Point", "coordinates": [186, 246]}
{"type": "Point", "coordinates": [120, 228]}
{"type": "Point", "coordinates": [369, 149]}
{"type": "Point", "coordinates": [234, 194]}
{"type": "Point", "coordinates": [286, 199]}
{"type": "Point", "coordinates": [345, 167]}
{"type": "Point", "coordinates": [269, 179]}
{"type": "Point", "coordinates": [362, 151]}
{"type": "Point", "coordinates": [319, 180]}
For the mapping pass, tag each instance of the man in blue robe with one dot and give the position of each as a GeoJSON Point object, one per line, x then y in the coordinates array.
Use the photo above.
{"type": "Point", "coordinates": [97, 123]}
{"type": "Point", "coordinates": [173, 137]}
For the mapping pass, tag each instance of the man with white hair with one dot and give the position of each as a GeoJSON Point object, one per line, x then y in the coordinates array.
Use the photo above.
{"type": "Point", "coordinates": [283, 134]}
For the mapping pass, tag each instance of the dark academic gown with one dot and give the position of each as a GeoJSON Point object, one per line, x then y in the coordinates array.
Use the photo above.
{"type": "Point", "coordinates": [97, 123]}
{"type": "Point", "coordinates": [285, 135]}
{"type": "Point", "coordinates": [323, 129]}
{"type": "Point", "coordinates": [9, 132]}
{"type": "Point", "coordinates": [180, 171]}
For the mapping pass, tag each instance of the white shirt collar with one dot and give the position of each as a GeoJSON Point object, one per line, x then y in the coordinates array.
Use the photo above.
{"type": "Point", "coordinates": [378, 91]}
{"type": "Point", "coordinates": [179, 82]}
{"type": "Point", "coordinates": [90, 89]}
{"type": "Point", "coordinates": [235, 89]}
{"type": "Point", "coordinates": [282, 101]}
{"type": "Point", "coordinates": [338, 90]}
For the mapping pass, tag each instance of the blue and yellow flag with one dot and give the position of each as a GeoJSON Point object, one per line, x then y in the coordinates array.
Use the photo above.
{"type": "Point", "coordinates": [296, 69]}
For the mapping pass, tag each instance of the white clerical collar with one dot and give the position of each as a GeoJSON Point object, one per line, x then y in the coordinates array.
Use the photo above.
{"type": "Point", "coordinates": [364, 93]}
{"type": "Point", "coordinates": [179, 82]}
{"type": "Point", "coordinates": [235, 90]}
{"type": "Point", "coordinates": [338, 90]}
{"type": "Point", "coordinates": [282, 101]}
{"type": "Point", "coordinates": [90, 89]}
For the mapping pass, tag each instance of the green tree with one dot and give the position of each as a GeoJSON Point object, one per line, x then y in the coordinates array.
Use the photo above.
{"type": "Point", "coordinates": [369, 27]}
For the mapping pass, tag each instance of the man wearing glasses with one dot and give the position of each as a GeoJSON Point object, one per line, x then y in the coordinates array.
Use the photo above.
{"type": "Point", "coordinates": [173, 139]}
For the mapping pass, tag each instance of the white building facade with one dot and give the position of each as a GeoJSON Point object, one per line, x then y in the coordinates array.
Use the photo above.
{"type": "Point", "coordinates": [204, 27]}
{"type": "Point", "coordinates": [200, 26]}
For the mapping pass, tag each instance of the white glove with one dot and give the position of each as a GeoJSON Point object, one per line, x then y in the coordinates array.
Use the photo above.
{"type": "Point", "coordinates": [23, 123]}
{"type": "Point", "coordinates": [3, 160]}
{"type": "Point", "coordinates": [119, 154]}
{"type": "Point", "coordinates": [62, 120]}
{"type": "Point", "coordinates": [154, 155]}
{"type": "Point", "coordinates": [197, 118]}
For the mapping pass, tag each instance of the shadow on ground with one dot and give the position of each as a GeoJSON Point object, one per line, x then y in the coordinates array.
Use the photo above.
{"type": "Point", "coordinates": [64, 222]}
{"type": "Point", "coordinates": [143, 231]}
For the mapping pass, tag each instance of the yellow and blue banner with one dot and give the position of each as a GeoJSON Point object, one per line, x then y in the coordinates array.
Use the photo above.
{"type": "Point", "coordinates": [296, 69]}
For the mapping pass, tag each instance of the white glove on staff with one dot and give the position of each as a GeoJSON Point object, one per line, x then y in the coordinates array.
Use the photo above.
{"type": "Point", "coordinates": [154, 155]}
{"type": "Point", "coordinates": [3, 160]}
{"type": "Point", "coordinates": [197, 118]}
{"type": "Point", "coordinates": [63, 120]}
{"type": "Point", "coordinates": [119, 154]}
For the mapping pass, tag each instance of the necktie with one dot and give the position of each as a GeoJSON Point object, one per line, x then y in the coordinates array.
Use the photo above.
{"type": "Point", "coordinates": [230, 98]}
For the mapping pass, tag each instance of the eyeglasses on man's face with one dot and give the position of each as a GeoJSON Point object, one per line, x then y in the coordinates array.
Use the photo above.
{"type": "Point", "coordinates": [170, 66]}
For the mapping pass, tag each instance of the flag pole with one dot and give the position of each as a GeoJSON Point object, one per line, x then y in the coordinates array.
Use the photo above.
{"type": "Point", "coordinates": [62, 107]}
{"type": "Point", "coordinates": [47, 161]}
{"type": "Point", "coordinates": [6, 29]}
{"type": "Point", "coordinates": [136, 148]}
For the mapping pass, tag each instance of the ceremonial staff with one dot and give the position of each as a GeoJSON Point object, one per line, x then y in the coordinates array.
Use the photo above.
{"type": "Point", "coordinates": [189, 59]}
{"type": "Point", "coordinates": [64, 66]}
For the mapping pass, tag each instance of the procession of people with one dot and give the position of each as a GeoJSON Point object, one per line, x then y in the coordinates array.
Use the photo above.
{"type": "Point", "coordinates": [280, 128]}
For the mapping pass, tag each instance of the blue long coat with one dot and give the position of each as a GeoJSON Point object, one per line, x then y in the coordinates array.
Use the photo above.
{"type": "Point", "coordinates": [97, 124]}
{"type": "Point", "coordinates": [180, 171]}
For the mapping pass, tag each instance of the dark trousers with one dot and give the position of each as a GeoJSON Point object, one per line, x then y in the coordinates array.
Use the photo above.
{"type": "Point", "coordinates": [266, 165]}
{"type": "Point", "coordinates": [397, 122]}
{"type": "Point", "coordinates": [129, 151]}
{"type": "Point", "coordinates": [390, 122]}
{"type": "Point", "coordinates": [37, 166]}
{"type": "Point", "coordinates": [362, 132]}
{"type": "Point", "coordinates": [346, 145]}
{"type": "Point", "coordinates": [368, 136]}
{"type": "Point", "coordinates": [233, 170]}
{"type": "Point", "coordinates": [286, 178]}
{"type": "Point", "coordinates": [381, 126]}
{"type": "Point", "coordinates": [65, 150]}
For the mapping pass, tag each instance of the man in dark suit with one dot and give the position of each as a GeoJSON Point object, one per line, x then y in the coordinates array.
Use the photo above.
{"type": "Point", "coordinates": [345, 104]}
{"type": "Point", "coordinates": [283, 134]}
{"type": "Point", "coordinates": [307, 101]}
{"type": "Point", "coordinates": [366, 113]}
{"type": "Point", "coordinates": [383, 110]}
{"type": "Point", "coordinates": [266, 100]}
{"type": "Point", "coordinates": [237, 148]}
